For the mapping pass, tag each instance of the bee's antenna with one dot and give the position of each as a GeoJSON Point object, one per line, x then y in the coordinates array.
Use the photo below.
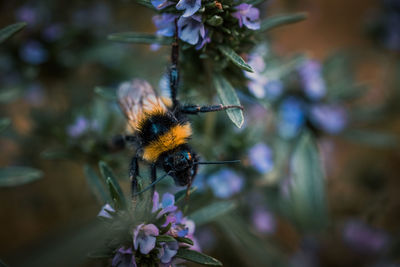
{"type": "Point", "coordinates": [216, 162]}
{"type": "Point", "coordinates": [152, 184]}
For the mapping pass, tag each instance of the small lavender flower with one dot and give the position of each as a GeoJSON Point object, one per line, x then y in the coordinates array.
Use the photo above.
{"type": "Point", "coordinates": [80, 126]}
{"type": "Point", "coordinates": [248, 16]}
{"type": "Point", "coordinates": [167, 204]}
{"type": "Point", "coordinates": [27, 14]}
{"type": "Point", "coordinates": [225, 183]}
{"type": "Point", "coordinates": [203, 41]}
{"type": "Point", "coordinates": [191, 29]}
{"type": "Point", "coordinates": [273, 89]}
{"type": "Point", "coordinates": [165, 24]}
{"type": "Point", "coordinates": [144, 237]}
{"type": "Point", "coordinates": [124, 258]}
{"type": "Point", "coordinates": [330, 118]}
{"type": "Point", "coordinates": [190, 7]}
{"type": "Point", "coordinates": [291, 117]}
{"type": "Point", "coordinates": [160, 4]}
{"type": "Point", "coordinates": [167, 251]}
{"type": "Point", "coordinates": [53, 32]}
{"type": "Point", "coordinates": [106, 211]}
{"type": "Point", "coordinates": [263, 220]}
{"type": "Point", "coordinates": [311, 77]}
{"type": "Point", "coordinates": [33, 52]}
{"type": "Point", "coordinates": [260, 156]}
{"type": "Point", "coordinates": [364, 238]}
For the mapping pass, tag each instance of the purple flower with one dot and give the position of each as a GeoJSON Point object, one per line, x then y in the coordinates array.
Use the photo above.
{"type": "Point", "coordinates": [263, 220]}
{"type": "Point", "coordinates": [190, 7]}
{"type": "Point", "coordinates": [80, 126]}
{"type": "Point", "coordinates": [144, 236]}
{"type": "Point", "coordinates": [311, 77]}
{"type": "Point", "coordinates": [330, 118]}
{"type": "Point", "coordinates": [225, 183]}
{"type": "Point", "coordinates": [106, 211]}
{"type": "Point", "coordinates": [260, 156]}
{"type": "Point", "coordinates": [191, 29]}
{"type": "Point", "coordinates": [124, 258]}
{"type": "Point", "coordinates": [167, 204]}
{"type": "Point", "coordinates": [33, 52]}
{"type": "Point", "coordinates": [364, 238]}
{"type": "Point", "coordinates": [165, 24]}
{"type": "Point", "coordinates": [203, 41]}
{"type": "Point", "coordinates": [27, 14]}
{"type": "Point", "coordinates": [160, 4]}
{"type": "Point", "coordinates": [248, 15]}
{"type": "Point", "coordinates": [53, 32]}
{"type": "Point", "coordinates": [167, 251]}
{"type": "Point", "coordinates": [35, 94]}
{"type": "Point", "coordinates": [291, 117]}
{"type": "Point", "coordinates": [273, 89]}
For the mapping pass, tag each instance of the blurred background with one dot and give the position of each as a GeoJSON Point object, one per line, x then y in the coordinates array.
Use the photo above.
{"type": "Point", "coordinates": [54, 79]}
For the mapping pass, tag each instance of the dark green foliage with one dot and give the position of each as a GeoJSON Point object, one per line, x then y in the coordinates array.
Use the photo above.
{"type": "Point", "coordinates": [16, 176]}
{"type": "Point", "coordinates": [10, 30]}
{"type": "Point", "coordinates": [197, 257]}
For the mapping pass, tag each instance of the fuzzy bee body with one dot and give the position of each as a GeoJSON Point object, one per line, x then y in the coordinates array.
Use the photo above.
{"type": "Point", "coordinates": [159, 127]}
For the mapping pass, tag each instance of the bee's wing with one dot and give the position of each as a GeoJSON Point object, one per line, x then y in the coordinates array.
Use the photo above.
{"type": "Point", "coordinates": [136, 99]}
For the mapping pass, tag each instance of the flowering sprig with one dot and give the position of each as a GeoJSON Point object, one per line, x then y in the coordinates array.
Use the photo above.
{"type": "Point", "coordinates": [159, 233]}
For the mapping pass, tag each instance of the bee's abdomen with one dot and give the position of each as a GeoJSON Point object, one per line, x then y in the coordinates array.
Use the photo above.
{"type": "Point", "coordinates": [161, 133]}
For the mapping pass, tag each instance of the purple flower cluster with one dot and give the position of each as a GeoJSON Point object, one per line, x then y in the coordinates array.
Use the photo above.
{"type": "Point", "coordinates": [81, 126]}
{"type": "Point", "coordinates": [191, 28]}
{"type": "Point", "coordinates": [260, 156]}
{"type": "Point", "coordinates": [295, 111]}
{"type": "Point", "coordinates": [169, 221]}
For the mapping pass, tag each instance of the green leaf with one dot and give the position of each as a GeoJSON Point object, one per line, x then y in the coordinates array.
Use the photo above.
{"type": "Point", "coordinates": [96, 185]}
{"type": "Point", "coordinates": [101, 253]}
{"type": "Point", "coordinates": [139, 38]}
{"type": "Point", "coordinates": [4, 123]}
{"type": "Point", "coordinates": [105, 93]}
{"type": "Point", "coordinates": [235, 58]}
{"type": "Point", "coordinates": [372, 138]}
{"type": "Point", "coordinates": [54, 153]}
{"type": "Point", "coordinates": [211, 212]}
{"type": "Point", "coordinates": [181, 194]}
{"type": "Point", "coordinates": [197, 257]}
{"type": "Point", "coordinates": [165, 238]}
{"type": "Point", "coordinates": [307, 191]}
{"type": "Point", "coordinates": [9, 94]}
{"type": "Point", "coordinates": [15, 176]}
{"type": "Point", "coordinates": [185, 240]}
{"type": "Point", "coordinates": [281, 20]}
{"type": "Point", "coordinates": [113, 185]}
{"type": "Point", "coordinates": [2, 264]}
{"type": "Point", "coordinates": [10, 30]}
{"type": "Point", "coordinates": [228, 96]}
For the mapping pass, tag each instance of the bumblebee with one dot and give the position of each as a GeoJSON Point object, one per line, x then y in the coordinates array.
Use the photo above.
{"type": "Point", "coordinates": [159, 128]}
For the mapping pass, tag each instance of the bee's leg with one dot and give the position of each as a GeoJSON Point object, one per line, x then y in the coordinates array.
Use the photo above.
{"type": "Point", "coordinates": [194, 173]}
{"type": "Point", "coordinates": [153, 173]}
{"type": "Point", "coordinates": [173, 69]}
{"type": "Point", "coordinates": [133, 174]}
{"type": "Point", "coordinates": [118, 142]}
{"type": "Point", "coordinates": [195, 109]}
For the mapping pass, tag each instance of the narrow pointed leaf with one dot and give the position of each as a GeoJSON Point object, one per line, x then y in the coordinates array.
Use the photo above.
{"type": "Point", "coordinates": [96, 185]}
{"type": "Point", "coordinates": [165, 238]}
{"type": "Point", "coordinates": [307, 192]}
{"type": "Point", "coordinates": [185, 240]}
{"type": "Point", "coordinates": [115, 190]}
{"type": "Point", "coordinates": [228, 96]}
{"type": "Point", "coordinates": [281, 20]}
{"type": "Point", "coordinates": [106, 93]}
{"type": "Point", "coordinates": [235, 58]}
{"type": "Point", "coordinates": [10, 30]}
{"type": "Point", "coordinates": [181, 194]}
{"type": "Point", "coordinates": [4, 123]}
{"type": "Point", "coordinates": [15, 176]}
{"type": "Point", "coordinates": [9, 94]}
{"type": "Point", "coordinates": [197, 257]}
{"type": "Point", "coordinates": [139, 38]}
{"type": "Point", "coordinates": [211, 212]}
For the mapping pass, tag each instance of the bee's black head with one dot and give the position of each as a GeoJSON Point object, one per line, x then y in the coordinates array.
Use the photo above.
{"type": "Point", "coordinates": [180, 164]}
